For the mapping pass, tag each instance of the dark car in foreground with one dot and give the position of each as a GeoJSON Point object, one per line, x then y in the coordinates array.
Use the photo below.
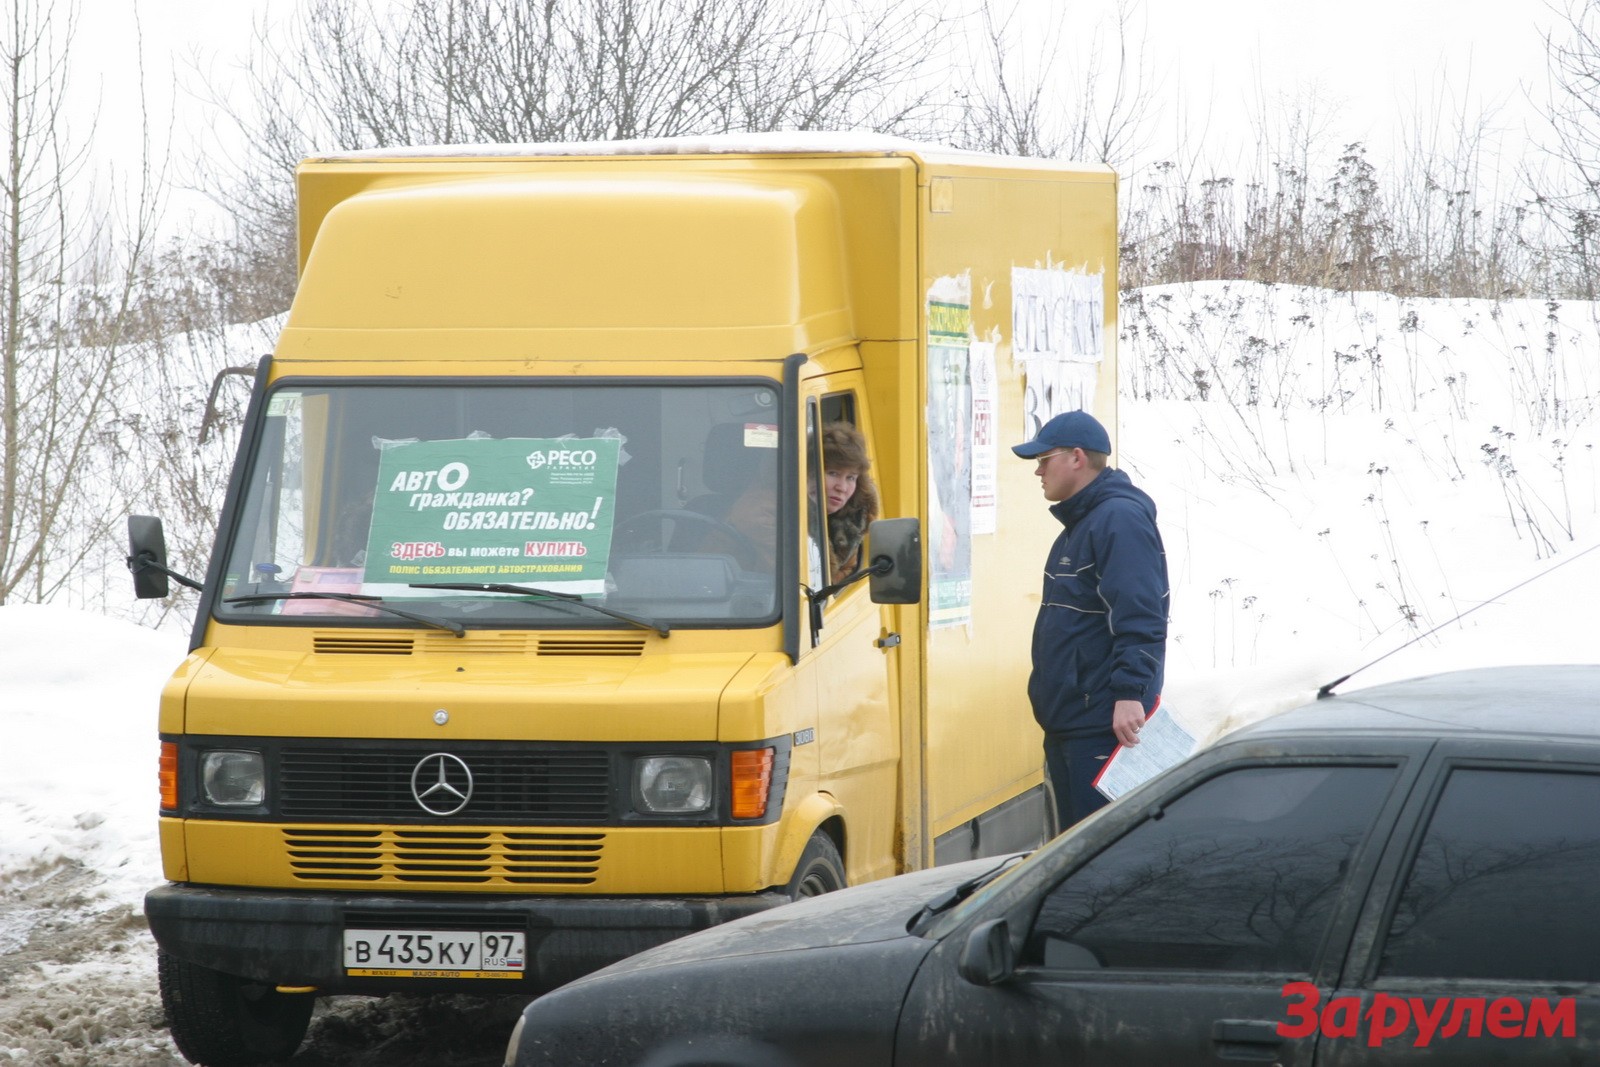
{"type": "Point", "coordinates": [1406, 874]}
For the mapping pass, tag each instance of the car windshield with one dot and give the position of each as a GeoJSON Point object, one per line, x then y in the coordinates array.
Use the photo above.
{"type": "Point", "coordinates": [511, 503]}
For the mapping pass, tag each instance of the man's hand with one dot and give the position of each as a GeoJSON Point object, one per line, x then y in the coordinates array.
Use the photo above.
{"type": "Point", "coordinates": [1127, 716]}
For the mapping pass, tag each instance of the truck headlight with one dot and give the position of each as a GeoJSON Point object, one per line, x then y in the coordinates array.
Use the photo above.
{"type": "Point", "coordinates": [233, 779]}
{"type": "Point", "coordinates": [671, 785]}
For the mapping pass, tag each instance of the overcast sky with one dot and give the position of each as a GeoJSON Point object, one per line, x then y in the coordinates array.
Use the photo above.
{"type": "Point", "coordinates": [1380, 63]}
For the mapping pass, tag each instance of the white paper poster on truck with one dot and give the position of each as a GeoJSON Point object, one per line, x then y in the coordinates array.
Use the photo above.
{"type": "Point", "coordinates": [1058, 336]}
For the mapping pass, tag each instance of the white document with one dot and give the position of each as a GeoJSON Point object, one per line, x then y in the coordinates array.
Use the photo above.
{"type": "Point", "coordinates": [1162, 742]}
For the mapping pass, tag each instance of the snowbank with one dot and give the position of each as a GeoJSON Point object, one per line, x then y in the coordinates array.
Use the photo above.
{"type": "Point", "coordinates": [78, 701]}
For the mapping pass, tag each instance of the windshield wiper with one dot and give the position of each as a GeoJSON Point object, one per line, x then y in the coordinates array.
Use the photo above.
{"type": "Point", "coordinates": [551, 594]}
{"type": "Point", "coordinates": [956, 894]}
{"type": "Point", "coordinates": [353, 598]}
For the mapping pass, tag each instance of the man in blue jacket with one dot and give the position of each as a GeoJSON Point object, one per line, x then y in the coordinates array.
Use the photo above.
{"type": "Point", "coordinates": [1100, 642]}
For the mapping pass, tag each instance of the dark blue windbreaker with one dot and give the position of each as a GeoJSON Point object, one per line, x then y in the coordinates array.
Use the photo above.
{"type": "Point", "coordinates": [1101, 635]}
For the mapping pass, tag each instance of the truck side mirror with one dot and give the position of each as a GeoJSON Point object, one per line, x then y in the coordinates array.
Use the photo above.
{"type": "Point", "coordinates": [894, 554]}
{"type": "Point", "coordinates": [147, 557]}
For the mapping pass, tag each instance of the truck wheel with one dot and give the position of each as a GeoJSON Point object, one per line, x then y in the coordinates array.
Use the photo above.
{"type": "Point", "coordinates": [220, 1020]}
{"type": "Point", "coordinates": [820, 869]}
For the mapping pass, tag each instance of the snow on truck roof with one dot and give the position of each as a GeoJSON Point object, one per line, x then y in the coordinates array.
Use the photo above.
{"type": "Point", "coordinates": [781, 143]}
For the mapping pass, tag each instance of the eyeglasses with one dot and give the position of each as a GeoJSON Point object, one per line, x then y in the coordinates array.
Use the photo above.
{"type": "Point", "coordinates": [1041, 457]}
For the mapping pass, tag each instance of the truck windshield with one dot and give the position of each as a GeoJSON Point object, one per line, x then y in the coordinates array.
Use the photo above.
{"type": "Point", "coordinates": [658, 501]}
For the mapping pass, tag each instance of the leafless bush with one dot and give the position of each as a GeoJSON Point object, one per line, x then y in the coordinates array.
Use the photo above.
{"type": "Point", "coordinates": [1567, 175]}
{"type": "Point", "coordinates": [1425, 233]}
{"type": "Point", "coordinates": [177, 436]}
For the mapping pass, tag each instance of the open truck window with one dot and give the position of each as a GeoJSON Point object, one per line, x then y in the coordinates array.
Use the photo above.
{"type": "Point", "coordinates": [823, 565]}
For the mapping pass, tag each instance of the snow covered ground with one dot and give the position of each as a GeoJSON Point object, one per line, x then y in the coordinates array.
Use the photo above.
{"type": "Point", "coordinates": [1362, 470]}
{"type": "Point", "coordinates": [1337, 475]}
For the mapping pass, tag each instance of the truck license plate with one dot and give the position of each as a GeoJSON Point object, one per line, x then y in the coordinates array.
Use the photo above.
{"type": "Point", "coordinates": [434, 953]}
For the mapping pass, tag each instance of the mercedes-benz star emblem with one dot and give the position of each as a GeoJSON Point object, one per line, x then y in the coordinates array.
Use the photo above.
{"type": "Point", "coordinates": [441, 783]}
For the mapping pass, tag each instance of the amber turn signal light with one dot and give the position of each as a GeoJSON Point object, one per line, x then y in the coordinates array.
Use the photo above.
{"type": "Point", "coordinates": [752, 779]}
{"type": "Point", "coordinates": [169, 776]}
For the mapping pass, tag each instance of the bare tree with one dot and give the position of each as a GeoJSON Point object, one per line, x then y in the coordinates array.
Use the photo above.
{"type": "Point", "coordinates": [72, 275]}
{"type": "Point", "coordinates": [35, 256]}
{"type": "Point", "coordinates": [1568, 188]}
{"type": "Point", "coordinates": [346, 75]}
{"type": "Point", "coordinates": [1030, 99]}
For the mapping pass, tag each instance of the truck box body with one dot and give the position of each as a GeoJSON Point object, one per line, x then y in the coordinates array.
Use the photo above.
{"type": "Point", "coordinates": [592, 371]}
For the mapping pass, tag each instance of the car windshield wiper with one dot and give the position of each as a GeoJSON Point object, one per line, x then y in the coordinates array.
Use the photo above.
{"type": "Point", "coordinates": [956, 894]}
{"type": "Point", "coordinates": [561, 598]}
{"type": "Point", "coordinates": [352, 598]}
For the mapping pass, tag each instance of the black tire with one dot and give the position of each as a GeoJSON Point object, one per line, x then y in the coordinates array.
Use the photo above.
{"type": "Point", "coordinates": [820, 869]}
{"type": "Point", "coordinates": [221, 1020]}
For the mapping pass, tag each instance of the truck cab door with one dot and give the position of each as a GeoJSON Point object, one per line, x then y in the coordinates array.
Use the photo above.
{"type": "Point", "coordinates": [853, 659]}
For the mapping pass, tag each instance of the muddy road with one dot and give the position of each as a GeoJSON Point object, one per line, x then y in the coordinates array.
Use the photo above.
{"type": "Point", "coordinates": [78, 989]}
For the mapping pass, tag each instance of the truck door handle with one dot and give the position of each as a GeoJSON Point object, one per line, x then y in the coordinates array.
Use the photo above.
{"type": "Point", "coordinates": [1254, 1040]}
{"type": "Point", "coordinates": [888, 640]}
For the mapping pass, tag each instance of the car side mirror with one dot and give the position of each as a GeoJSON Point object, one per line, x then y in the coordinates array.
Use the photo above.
{"type": "Point", "coordinates": [894, 556]}
{"type": "Point", "coordinates": [986, 958]}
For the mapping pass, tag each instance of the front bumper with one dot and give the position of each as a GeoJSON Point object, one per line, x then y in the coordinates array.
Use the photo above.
{"type": "Point", "coordinates": [296, 938]}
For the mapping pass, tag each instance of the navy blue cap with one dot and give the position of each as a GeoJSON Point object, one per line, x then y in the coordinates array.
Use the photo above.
{"type": "Point", "coordinates": [1070, 429]}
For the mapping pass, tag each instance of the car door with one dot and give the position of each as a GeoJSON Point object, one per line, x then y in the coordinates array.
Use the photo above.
{"type": "Point", "coordinates": [1484, 943]}
{"type": "Point", "coordinates": [1174, 942]}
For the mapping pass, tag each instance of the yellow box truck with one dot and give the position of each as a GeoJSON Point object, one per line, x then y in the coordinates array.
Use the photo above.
{"type": "Point", "coordinates": [521, 649]}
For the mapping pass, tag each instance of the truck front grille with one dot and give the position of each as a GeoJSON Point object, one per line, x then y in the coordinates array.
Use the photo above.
{"type": "Point", "coordinates": [509, 784]}
{"type": "Point", "coordinates": [463, 857]}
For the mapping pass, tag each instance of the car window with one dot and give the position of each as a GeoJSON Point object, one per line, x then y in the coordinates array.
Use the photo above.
{"type": "Point", "coordinates": [1241, 873]}
{"type": "Point", "coordinates": [1506, 882]}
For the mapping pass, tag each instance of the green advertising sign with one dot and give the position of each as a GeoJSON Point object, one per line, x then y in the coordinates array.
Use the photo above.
{"type": "Point", "coordinates": [524, 510]}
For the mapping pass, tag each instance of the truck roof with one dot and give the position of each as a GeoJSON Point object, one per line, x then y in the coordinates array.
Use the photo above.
{"type": "Point", "coordinates": [852, 142]}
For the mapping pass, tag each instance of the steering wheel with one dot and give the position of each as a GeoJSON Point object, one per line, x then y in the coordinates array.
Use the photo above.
{"type": "Point", "coordinates": [744, 547]}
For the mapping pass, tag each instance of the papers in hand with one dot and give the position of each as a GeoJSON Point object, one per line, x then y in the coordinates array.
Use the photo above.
{"type": "Point", "coordinates": [1162, 742]}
